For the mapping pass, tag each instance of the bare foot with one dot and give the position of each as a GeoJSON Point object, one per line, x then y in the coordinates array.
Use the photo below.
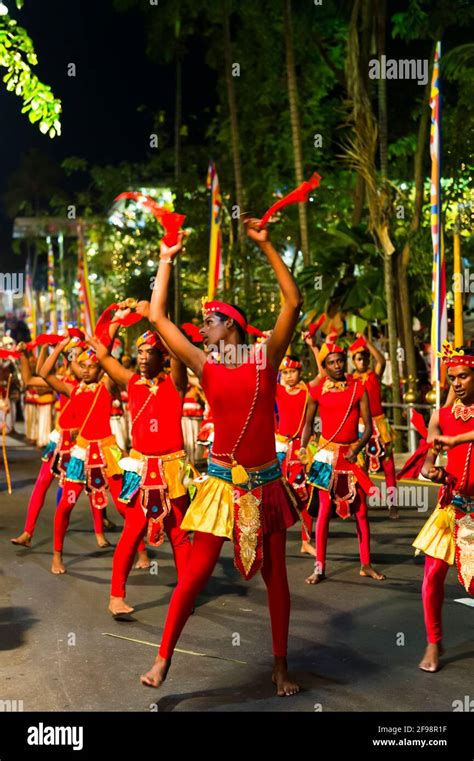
{"type": "Point", "coordinates": [143, 561]}
{"type": "Point", "coordinates": [57, 565]}
{"type": "Point", "coordinates": [307, 548]}
{"type": "Point", "coordinates": [315, 578]}
{"type": "Point", "coordinates": [430, 660]}
{"type": "Point", "coordinates": [117, 605]}
{"type": "Point", "coordinates": [281, 678]}
{"type": "Point", "coordinates": [102, 542]}
{"type": "Point", "coordinates": [157, 674]}
{"type": "Point", "coordinates": [367, 570]}
{"type": "Point", "coordinates": [24, 539]}
{"type": "Point", "coordinates": [393, 513]}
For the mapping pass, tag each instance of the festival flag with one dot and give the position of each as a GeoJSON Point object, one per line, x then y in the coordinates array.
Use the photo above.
{"type": "Point", "coordinates": [86, 301]}
{"type": "Point", "coordinates": [439, 320]}
{"type": "Point", "coordinates": [51, 287]}
{"type": "Point", "coordinates": [29, 300]}
{"type": "Point", "coordinates": [215, 237]}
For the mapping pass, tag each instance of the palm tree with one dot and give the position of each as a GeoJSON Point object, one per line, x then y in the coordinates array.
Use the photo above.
{"type": "Point", "coordinates": [361, 153]}
{"type": "Point", "coordinates": [295, 125]}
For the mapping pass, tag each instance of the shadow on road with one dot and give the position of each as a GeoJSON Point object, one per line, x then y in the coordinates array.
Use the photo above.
{"type": "Point", "coordinates": [14, 623]}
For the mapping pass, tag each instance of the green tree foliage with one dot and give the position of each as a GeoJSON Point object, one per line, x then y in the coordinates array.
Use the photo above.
{"type": "Point", "coordinates": [17, 56]}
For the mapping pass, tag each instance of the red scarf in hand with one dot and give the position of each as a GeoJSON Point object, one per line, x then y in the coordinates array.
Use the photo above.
{"type": "Point", "coordinates": [299, 195]}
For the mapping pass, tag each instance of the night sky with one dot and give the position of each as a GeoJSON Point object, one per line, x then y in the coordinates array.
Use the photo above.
{"type": "Point", "coordinates": [101, 120]}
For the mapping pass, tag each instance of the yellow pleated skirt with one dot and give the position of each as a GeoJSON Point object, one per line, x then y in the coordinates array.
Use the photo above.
{"type": "Point", "coordinates": [436, 538]}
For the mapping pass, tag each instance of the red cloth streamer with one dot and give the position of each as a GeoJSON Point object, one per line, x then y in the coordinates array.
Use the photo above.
{"type": "Point", "coordinates": [170, 221]}
{"type": "Point", "coordinates": [48, 339]}
{"type": "Point", "coordinates": [76, 333]}
{"type": "Point", "coordinates": [9, 354]}
{"type": "Point", "coordinates": [102, 326]}
{"type": "Point", "coordinates": [418, 422]}
{"type": "Point", "coordinates": [314, 327]}
{"type": "Point", "coordinates": [299, 195]}
{"type": "Point", "coordinates": [192, 331]}
{"type": "Point", "coordinates": [105, 320]}
{"type": "Point", "coordinates": [359, 343]}
{"type": "Point", "coordinates": [414, 464]}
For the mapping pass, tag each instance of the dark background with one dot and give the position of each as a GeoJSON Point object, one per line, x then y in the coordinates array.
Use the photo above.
{"type": "Point", "coordinates": [101, 120]}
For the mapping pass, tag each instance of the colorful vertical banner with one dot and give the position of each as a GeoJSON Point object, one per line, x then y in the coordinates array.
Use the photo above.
{"type": "Point", "coordinates": [215, 236]}
{"type": "Point", "coordinates": [86, 300]}
{"type": "Point", "coordinates": [29, 300]}
{"type": "Point", "coordinates": [51, 287]}
{"type": "Point", "coordinates": [439, 321]}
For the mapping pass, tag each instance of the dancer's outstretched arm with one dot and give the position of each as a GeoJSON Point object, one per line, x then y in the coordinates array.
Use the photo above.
{"type": "Point", "coordinates": [179, 345]}
{"type": "Point", "coordinates": [282, 334]}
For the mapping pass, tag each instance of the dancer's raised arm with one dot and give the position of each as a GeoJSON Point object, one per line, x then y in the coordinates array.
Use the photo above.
{"type": "Point", "coordinates": [282, 334]}
{"type": "Point", "coordinates": [193, 357]}
{"type": "Point", "coordinates": [47, 369]}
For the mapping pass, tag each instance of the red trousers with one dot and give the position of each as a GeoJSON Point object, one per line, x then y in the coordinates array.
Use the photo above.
{"type": "Point", "coordinates": [134, 531]}
{"type": "Point", "coordinates": [388, 466]}
{"type": "Point", "coordinates": [308, 522]}
{"type": "Point", "coordinates": [205, 551]}
{"type": "Point", "coordinates": [432, 593]}
{"type": "Point", "coordinates": [38, 495]}
{"type": "Point", "coordinates": [71, 492]}
{"type": "Point", "coordinates": [322, 528]}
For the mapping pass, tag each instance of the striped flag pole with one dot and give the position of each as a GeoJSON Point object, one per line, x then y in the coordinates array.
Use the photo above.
{"type": "Point", "coordinates": [51, 287]}
{"type": "Point", "coordinates": [439, 320]}
{"type": "Point", "coordinates": [86, 300]}
{"type": "Point", "coordinates": [215, 236]}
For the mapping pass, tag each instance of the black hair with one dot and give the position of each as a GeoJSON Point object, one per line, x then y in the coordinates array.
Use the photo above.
{"type": "Point", "coordinates": [469, 350]}
{"type": "Point", "coordinates": [343, 354]}
{"type": "Point", "coordinates": [223, 317]}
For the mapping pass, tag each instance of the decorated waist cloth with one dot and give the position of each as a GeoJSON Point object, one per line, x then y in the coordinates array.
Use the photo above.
{"type": "Point", "coordinates": [380, 443]}
{"type": "Point", "coordinates": [448, 535]}
{"type": "Point", "coordinates": [58, 450]}
{"type": "Point", "coordinates": [243, 513]}
{"type": "Point", "coordinates": [292, 467]}
{"type": "Point", "coordinates": [331, 472]}
{"type": "Point", "coordinates": [159, 479]}
{"type": "Point", "coordinates": [92, 463]}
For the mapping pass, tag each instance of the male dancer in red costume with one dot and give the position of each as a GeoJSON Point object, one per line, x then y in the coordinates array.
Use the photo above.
{"type": "Point", "coordinates": [447, 536]}
{"type": "Point", "coordinates": [292, 400]}
{"type": "Point", "coordinates": [95, 456]}
{"type": "Point", "coordinates": [244, 498]}
{"type": "Point", "coordinates": [334, 471]}
{"type": "Point", "coordinates": [379, 448]}
{"type": "Point", "coordinates": [58, 451]}
{"type": "Point", "coordinates": [155, 467]}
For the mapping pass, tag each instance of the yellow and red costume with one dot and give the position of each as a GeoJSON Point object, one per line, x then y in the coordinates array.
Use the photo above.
{"type": "Point", "coordinates": [291, 403]}
{"type": "Point", "coordinates": [341, 484]}
{"type": "Point", "coordinates": [243, 498]}
{"type": "Point", "coordinates": [447, 536]}
{"type": "Point", "coordinates": [93, 464]}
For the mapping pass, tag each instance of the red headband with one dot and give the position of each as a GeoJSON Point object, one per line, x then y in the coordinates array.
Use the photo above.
{"type": "Point", "coordinates": [227, 309]}
{"type": "Point", "coordinates": [150, 338]}
{"type": "Point", "coordinates": [329, 348]}
{"type": "Point", "coordinates": [451, 357]}
{"type": "Point", "coordinates": [290, 364]}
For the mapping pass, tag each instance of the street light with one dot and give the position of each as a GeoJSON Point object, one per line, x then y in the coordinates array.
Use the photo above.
{"type": "Point", "coordinates": [3, 9]}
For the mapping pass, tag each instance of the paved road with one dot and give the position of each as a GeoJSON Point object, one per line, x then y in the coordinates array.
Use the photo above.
{"type": "Point", "coordinates": [354, 643]}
